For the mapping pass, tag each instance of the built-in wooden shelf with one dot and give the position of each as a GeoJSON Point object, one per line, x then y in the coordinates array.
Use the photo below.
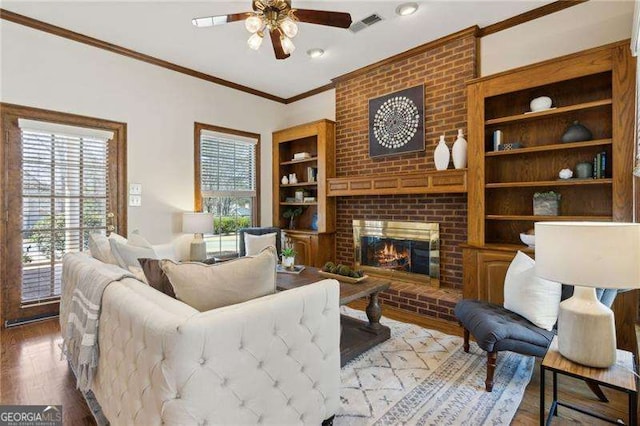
{"type": "Point", "coordinates": [283, 203]}
{"type": "Point", "coordinates": [554, 147]}
{"type": "Point", "coordinates": [498, 247]}
{"type": "Point", "coordinates": [549, 112]}
{"type": "Point", "coordinates": [432, 182]}
{"type": "Point", "coordinates": [301, 231]}
{"type": "Point", "coordinates": [304, 160]}
{"type": "Point", "coordinates": [535, 218]}
{"type": "Point", "coordinates": [290, 185]}
{"type": "Point", "coordinates": [566, 182]}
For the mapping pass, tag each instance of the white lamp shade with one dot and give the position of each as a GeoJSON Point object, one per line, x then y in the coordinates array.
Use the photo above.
{"type": "Point", "coordinates": [589, 254]}
{"type": "Point", "coordinates": [197, 223]}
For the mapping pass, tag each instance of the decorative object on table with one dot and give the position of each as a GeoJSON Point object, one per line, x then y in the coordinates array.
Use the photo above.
{"type": "Point", "coordinates": [600, 165]}
{"type": "Point", "coordinates": [588, 255]}
{"type": "Point", "coordinates": [291, 214]}
{"type": "Point", "coordinates": [288, 257]}
{"type": "Point", "coordinates": [576, 132]}
{"type": "Point", "coordinates": [301, 156]}
{"type": "Point", "coordinates": [459, 151]}
{"type": "Point", "coordinates": [546, 203]}
{"type": "Point", "coordinates": [197, 224]}
{"type": "Point", "coordinates": [295, 269]}
{"type": "Point", "coordinates": [314, 222]}
{"type": "Point", "coordinates": [509, 146]}
{"type": "Point", "coordinates": [284, 180]}
{"type": "Point", "coordinates": [342, 272]}
{"type": "Point", "coordinates": [565, 174]}
{"type": "Point", "coordinates": [396, 122]}
{"type": "Point", "coordinates": [528, 238]}
{"type": "Point", "coordinates": [584, 170]}
{"type": "Point", "coordinates": [497, 140]}
{"type": "Point", "coordinates": [441, 155]}
{"type": "Point", "coordinates": [540, 104]}
{"type": "Point", "coordinates": [299, 196]}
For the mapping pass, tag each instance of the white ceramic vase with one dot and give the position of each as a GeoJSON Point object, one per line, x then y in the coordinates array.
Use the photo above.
{"type": "Point", "coordinates": [284, 180]}
{"type": "Point", "coordinates": [459, 151]}
{"type": "Point", "coordinates": [441, 155]}
{"type": "Point", "coordinates": [287, 262]}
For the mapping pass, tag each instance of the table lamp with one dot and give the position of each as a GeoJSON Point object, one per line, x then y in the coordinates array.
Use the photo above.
{"type": "Point", "coordinates": [588, 255]}
{"type": "Point", "coordinates": [197, 224]}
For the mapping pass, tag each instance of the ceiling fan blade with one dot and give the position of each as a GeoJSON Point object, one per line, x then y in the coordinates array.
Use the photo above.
{"type": "Point", "coordinates": [211, 21]}
{"type": "Point", "coordinates": [277, 45]}
{"type": "Point", "coordinates": [324, 17]}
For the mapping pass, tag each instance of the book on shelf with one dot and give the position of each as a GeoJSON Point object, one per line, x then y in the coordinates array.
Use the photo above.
{"type": "Point", "coordinates": [600, 165]}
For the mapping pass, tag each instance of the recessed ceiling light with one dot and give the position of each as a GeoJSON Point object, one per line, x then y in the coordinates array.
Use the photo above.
{"type": "Point", "coordinates": [315, 52]}
{"type": "Point", "coordinates": [407, 8]}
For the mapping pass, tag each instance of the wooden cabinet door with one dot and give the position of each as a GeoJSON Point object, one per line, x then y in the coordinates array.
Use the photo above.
{"type": "Point", "coordinates": [302, 245]}
{"type": "Point", "coordinates": [492, 269]}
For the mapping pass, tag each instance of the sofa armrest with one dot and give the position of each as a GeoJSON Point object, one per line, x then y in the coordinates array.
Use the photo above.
{"type": "Point", "coordinates": [272, 360]}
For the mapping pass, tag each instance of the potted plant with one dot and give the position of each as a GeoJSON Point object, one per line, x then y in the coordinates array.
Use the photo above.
{"type": "Point", "coordinates": [288, 257]}
{"type": "Point", "coordinates": [291, 214]}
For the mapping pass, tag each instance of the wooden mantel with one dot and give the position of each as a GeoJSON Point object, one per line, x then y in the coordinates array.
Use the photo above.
{"type": "Point", "coordinates": [433, 182]}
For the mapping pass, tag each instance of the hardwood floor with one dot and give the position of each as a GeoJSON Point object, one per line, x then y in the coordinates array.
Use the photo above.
{"type": "Point", "coordinates": [32, 373]}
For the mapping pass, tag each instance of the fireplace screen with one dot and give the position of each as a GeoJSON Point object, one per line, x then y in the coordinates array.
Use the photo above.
{"type": "Point", "coordinates": [404, 250]}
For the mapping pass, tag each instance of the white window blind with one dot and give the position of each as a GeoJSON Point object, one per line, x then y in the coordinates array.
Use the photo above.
{"type": "Point", "coordinates": [65, 197]}
{"type": "Point", "coordinates": [227, 165]}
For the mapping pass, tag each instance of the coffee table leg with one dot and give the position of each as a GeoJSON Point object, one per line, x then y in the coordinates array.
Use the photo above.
{"type": "Point", "coordinates": [374, 312]}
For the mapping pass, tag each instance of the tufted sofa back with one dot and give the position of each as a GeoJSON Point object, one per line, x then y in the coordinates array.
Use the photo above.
{"type": "Point", "coordinates": [272, 360]}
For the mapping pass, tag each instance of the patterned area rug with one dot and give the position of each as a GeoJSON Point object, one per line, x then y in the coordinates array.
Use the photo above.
{"type": "Point", "coordinates": [423, 377]}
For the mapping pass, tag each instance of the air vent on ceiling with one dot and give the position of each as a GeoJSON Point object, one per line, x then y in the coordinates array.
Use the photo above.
{"type": "Point", "coordinates": [364, 23]}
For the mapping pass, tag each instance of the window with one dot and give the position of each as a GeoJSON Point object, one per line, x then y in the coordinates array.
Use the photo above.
{"type": "Point", "coordinates": [64, 178]}
{"type": "Point", "coordinates": [226, 183]}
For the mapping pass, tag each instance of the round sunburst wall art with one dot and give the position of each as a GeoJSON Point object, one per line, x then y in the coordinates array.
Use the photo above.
{"type": "Point", "coordinates": [396, 122]}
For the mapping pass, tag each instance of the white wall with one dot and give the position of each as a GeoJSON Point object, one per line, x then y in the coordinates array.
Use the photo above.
{"type": "Point", "coordinates": [577, 28]}
{"type": "Point", "coordinates": [322, 105]}
{"type": "Point", "coordinates": [158, 105]}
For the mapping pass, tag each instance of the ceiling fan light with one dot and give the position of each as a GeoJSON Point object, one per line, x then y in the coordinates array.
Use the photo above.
{"type": "Point", "coordinates": [287, 45]}
{"type": "Point", "coordinates": [253, 24]}
{"type": "Point", "coordinates": [407, 8]}
{"type": "Point", "coordinates": [255, 41]}
{"type": "Point", "coordinates": [289, 27]}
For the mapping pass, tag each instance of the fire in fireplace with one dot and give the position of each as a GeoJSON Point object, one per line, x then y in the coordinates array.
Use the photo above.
{"type": "Point", "coordinates": [404, 250]}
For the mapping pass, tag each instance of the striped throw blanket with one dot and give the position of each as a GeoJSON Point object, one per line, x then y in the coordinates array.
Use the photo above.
{"type": "Point", "coordinates": [83, 284]}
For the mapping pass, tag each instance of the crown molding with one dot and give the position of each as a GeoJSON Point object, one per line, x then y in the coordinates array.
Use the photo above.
{"type": "Point", "coordinates": [100, 44]}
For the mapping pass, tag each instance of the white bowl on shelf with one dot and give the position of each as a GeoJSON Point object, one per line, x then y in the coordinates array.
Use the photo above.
{"type": "Point", "coordinates": [540, 104]}
{"type": "Point", "coordinates": [528, 239]}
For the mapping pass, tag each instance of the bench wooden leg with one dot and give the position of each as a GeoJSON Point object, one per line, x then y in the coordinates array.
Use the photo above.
{"type": "Point", "coordinates": [492, 358]}
{"type": "Point", "coordinates": [466, 341]}
{"type": "Point", "coordinates": [595, 388]}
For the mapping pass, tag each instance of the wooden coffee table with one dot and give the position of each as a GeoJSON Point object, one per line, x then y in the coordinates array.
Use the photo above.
{"type": "Point", "coordinates": [357, 336]}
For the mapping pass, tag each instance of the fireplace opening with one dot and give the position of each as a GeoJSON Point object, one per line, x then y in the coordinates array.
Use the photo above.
{"type": "Point", "coordinates": [404, 250]}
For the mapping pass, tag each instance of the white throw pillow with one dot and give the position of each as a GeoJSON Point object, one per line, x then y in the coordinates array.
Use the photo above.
{"type": "Point", "coordinates": [127, 255]}
{"type": "Point", "coordinates": [100, 247]}
{"type": "Point", "coordinates": [254, 244]}
{"type": "Point", "coordinates": [534, 298]}
{"type": "Point", "coordinates": [206, 287]}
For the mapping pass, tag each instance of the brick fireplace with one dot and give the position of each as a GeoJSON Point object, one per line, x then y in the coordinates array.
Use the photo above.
{"type": "Point", "coordinates": [444, 69]}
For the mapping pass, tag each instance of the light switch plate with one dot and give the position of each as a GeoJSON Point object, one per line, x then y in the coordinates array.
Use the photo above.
{"type": "Point", "coordinates": [135, 200]}
{"type": "Point", "coordinates": [135, 188]}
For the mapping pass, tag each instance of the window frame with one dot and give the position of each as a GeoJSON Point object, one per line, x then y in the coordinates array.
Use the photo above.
{"type": "Point", "coordinates": [10, 135]}
{"type": "Point", "coordinates": [198, 127]}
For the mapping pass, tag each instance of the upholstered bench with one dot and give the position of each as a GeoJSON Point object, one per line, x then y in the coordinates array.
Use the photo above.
{"type": "Point", "coordinates": [498, 329]}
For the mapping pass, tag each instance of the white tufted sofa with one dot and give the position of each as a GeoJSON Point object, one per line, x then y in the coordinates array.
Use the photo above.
{"type": "Point", "coordinates": [272, 360]}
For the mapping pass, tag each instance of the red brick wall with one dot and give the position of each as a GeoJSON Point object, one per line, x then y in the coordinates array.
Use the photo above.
{"type": "Point", "coordinates": [444, 71]}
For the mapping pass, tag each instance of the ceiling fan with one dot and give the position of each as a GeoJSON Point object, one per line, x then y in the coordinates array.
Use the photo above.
{"type": "Point", "coordinates": [277, 17]}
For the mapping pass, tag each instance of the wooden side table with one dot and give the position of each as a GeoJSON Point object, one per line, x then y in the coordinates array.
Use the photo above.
{"type": "Point", "coordinates": [615, 377]}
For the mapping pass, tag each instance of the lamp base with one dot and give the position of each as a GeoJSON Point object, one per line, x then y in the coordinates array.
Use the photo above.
{"type": "Point", "coordinates": [198, 251]}
{"type": "Point", "coordinates": [586, 330]}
